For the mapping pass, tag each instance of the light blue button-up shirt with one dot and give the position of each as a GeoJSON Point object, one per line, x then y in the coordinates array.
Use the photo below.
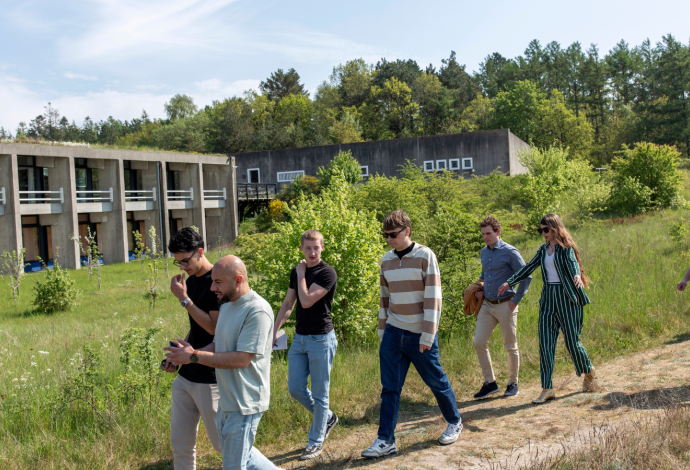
{"type": "Point", "coordinates": [498, 265]}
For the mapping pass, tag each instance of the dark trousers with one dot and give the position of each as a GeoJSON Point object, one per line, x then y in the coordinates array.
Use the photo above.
{"type": "Point", "coordinates": [558, 312]}
{"type": "Point", "coordinates": [398, 349]}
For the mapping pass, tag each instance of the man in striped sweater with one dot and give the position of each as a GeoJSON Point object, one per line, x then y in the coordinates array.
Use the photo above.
{"type": "Point", "coordinates": [409, 313]}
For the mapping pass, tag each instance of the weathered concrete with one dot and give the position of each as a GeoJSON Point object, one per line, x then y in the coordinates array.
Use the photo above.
{"type": "Point", "coordinates": [488, 151]}
{"type": "Point", "coordinates": [11, 221]}
{"type": "Point", "coordinates": [67, 224]}
{"type": "Point", "coordinates": [114, 230]}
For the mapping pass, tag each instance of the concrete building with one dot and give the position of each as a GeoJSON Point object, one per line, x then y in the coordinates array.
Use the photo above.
{"type": "Point", "coordinates": [50, 193]}
{"type": "Point", "coordinates": [470, 153]}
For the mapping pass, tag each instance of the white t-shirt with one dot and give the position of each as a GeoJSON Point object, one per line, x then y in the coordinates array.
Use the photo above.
{"type": "Point", "coordinates": [550, 267]}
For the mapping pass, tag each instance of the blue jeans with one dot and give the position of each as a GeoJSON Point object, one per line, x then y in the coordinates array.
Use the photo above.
{"type": "Point", "coordinates": [398, 349]}
{"type": "Point", "coordinates": [237, 433]}
{"type": "Point", "coordinates": [312, 355]}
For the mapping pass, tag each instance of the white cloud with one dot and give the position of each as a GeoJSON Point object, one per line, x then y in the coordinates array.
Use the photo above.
{"type": "Point", "coordinates": [79, 76]}
{"type": "Point", "coordinates": [22, 102]}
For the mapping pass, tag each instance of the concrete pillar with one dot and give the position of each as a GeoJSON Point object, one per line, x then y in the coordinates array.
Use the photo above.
{"type": "Point", "coordinates": [163, 198]}
{"type": "Point", "coordinates": [113, 234]}
{"type": "Point", "coordinates": [11, 221]}
{"type": "Point", "coordinates": [67, 224]}
{"type": "Point", "coordinates": [150, 180]}
{"type": "Point", "coordinates": [198, 215]}
{"type": "Point", "coordinates": [230, 219]}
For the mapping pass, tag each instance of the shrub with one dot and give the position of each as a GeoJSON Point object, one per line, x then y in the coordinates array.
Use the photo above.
{"type": "Point", "coordinates": [302, 185]}
{"type": "Point", "coordinates": [650, 165]}
{"type": "Point", "coordinates": [271, 215]}
{"type": "Point", "coordinates": [344, 164]}
{"type": "Point", "coordinates": [631, 196]}
{"type": "Point", "coordinates": [353, 248]}
{"type": "Point", "coordinates": [56, 292]}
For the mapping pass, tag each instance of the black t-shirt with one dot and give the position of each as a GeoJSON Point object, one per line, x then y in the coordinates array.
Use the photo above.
{"type": "Point", "coordinates": [199, 290]}
{"type": "Point", "coordinates": [315, 320]}
{"type": "Point", "coordinates": [402, 253]}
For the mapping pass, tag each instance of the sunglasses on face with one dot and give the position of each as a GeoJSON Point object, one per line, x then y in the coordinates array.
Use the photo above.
{"type": "Point", "coordinates": [543, 230]}
{"type": "Point", "coordinates": [391, 234]}
{"type": "Point", "coordinates": [184, 262]}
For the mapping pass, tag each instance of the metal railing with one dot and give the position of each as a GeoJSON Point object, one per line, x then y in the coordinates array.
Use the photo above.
{"type": "Point", "coordinates": [3, 198]}
{"type": "Point", "coordinates": [44, 199]}
{"type": "Point", "coordinates": [216, 194]}
{"type": "Point", "coordinates": [140, 195]}
{"type": "Point", "coordinates": [95, 196]}
{"type": "Point", "coordinates": [181, 195]}
{"type": "Point", "coordinates": [254, 191]}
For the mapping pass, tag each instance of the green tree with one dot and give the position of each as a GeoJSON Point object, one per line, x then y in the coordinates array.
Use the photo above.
{"type": "Point", "coordinates": [281, 84]}
{"type": "Point", "coordinates": [560, 126]}
{"type": "Point", "coordinates": [343, 164]}
{"type": "Point", "coordinates": [180, 107]}
{"type": "Point", "coordinates": [406, 71]}
{"type": "Point", "coordinates": [519, 109]}
{"type": "Point", "coordinates": [353, 247]}
{"type": "Point", "coordinates": [393, 102]}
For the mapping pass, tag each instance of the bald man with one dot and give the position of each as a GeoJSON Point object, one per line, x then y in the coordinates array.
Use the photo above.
{"type": "Point", "coordinates": [241, 355]}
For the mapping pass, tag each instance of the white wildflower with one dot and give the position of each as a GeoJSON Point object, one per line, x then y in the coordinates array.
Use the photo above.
{"type": "Point", "coordinates": [44, 352]}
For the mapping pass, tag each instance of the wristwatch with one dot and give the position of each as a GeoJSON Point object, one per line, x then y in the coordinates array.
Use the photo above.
{"type": "Point", "coordinates": [185, 302]}
{"type": "Point", "coordinates": [194, 358]}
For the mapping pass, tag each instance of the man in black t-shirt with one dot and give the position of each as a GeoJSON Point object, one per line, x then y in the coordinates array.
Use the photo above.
{"type": "Point", "coordinates": [194, 390]}
{"type": "Point", "coordinates": [311, 292]}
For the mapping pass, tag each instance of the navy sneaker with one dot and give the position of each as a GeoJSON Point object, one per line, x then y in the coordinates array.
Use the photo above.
{"type": "Point", "coordinates": [330, 424]}
{"type": "Point", "coordinates": [511, 391]}
{"type": "Point", "coordinates": [487, 389]}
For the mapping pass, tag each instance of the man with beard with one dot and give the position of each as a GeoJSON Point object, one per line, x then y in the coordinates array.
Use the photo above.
{"type": "Point", "coordinates": [241, 355]}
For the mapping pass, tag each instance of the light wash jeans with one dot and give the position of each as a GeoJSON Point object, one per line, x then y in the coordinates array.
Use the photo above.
{"type": "Point", "coordinates": [312, 355]}
{"type": "Point", "coordinates": [237, 433]}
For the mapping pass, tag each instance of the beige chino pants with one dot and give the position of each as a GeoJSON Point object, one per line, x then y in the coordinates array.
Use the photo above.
{"type": "Point", "coordinates": [190, 402]}
{"type": "Point", "coordinates": [488, 317]}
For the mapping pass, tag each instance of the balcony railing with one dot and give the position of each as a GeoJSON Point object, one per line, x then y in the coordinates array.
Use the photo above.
{"type": "Point", "coordinates": [95, 196]}
{"type": "Point", "coordinates": [132, 195]}
{"type": "Point", "coordinates": [45, 199]}
{"type": "Point", "coordinates": [256, 191]}
{"type": "Point", "coordinates": [181, 195]}
{"type": "Point", "coordinates": [3, 198]}
{"type": "Point", "coordinates": [217, 194]}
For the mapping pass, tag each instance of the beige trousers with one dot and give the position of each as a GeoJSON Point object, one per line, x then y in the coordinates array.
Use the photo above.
{"type": "Point", "coordinates": [190, 402]}
{"type": "Point", "coordinates": [488, 317]}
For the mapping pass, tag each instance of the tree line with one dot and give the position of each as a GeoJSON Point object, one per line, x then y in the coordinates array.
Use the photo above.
{"type": "Point", "coordinates": [590, 102]}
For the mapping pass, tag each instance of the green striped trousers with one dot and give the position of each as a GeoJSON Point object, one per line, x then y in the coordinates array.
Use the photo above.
{"type": "Point", "coordinates": [558, 312]}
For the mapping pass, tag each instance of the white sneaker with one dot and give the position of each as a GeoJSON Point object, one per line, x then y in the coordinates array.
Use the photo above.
{"type": "Point", "coordinates": [378, 449]}
{"type": "Point", "coordinates": [450, 435]}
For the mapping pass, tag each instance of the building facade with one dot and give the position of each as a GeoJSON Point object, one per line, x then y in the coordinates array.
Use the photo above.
{"type": "Point", "coordinates": [470, 153]}
{"type": "Point", "coordinates": [50, 194]}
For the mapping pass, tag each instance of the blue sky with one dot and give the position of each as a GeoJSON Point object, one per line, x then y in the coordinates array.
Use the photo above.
{"type": "Point", "coordinates": [117, 57]}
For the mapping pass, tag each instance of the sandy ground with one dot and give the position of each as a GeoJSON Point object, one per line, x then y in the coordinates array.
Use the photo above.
{"type": "Point", "coordinates": [507, 433]}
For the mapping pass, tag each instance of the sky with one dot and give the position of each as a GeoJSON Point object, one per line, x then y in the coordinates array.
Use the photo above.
{"type": "Point", "coordinates": [101, 58]}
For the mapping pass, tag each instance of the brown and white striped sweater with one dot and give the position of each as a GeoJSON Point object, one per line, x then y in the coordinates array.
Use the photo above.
{"type": "Point", "coordinates": [411, 293]}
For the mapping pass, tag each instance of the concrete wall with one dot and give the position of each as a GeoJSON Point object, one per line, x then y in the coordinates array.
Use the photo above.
{"type": "Point", "coordinates": [11, 221]}
{"type": "Point", "coordinates": [517, 145]}
{"type": "Point", "coordinates": [489, 150]}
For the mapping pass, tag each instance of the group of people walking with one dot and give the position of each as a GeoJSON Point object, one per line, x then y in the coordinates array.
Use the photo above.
{"type": "Point", "coordinates": [224, 362]}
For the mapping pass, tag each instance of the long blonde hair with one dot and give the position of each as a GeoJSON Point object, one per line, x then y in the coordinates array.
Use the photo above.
{"type": "Point", "coordinates": [564, 239]}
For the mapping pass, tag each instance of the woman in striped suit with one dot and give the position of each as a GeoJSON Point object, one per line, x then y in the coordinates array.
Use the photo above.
{"type": "Point", "coordinates": [561, 304]}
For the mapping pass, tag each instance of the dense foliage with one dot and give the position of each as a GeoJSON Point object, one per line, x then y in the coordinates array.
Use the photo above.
{"type": "Point", "coordinates": [587, 101]}
{"type": "Point", "coordinates": [56, 292]}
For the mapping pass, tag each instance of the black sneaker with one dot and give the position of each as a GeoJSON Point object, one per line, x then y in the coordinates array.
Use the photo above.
{"type": "Point", "coordinates": [310, 452]}
{"type": "Point", "coordinates": [487, 389]}
{"type": "Point", "coordinates": [511, 391]}
{"type": "Point", "coordinates": [330, 425]}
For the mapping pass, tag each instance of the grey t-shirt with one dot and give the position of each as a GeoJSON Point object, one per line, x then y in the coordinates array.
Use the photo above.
{"type": "Point", "coordinates": [245, 325]}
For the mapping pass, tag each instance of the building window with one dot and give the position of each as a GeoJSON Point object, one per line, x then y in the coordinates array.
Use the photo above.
{"type": "Point", "coordinates": [467, 164]}
{"type": "Point", "coordinates": [364, 170]}
{"type": "Point", "coordinates": [429, 165]}
{"type": "Point", "coordinates": [454, 164]}
{"type": "Point", "coordinates": [440, 165]}
{"type": "Point", "coordinates": [289, 176]}
{"type": "Point", "coordinates": [253, 175]}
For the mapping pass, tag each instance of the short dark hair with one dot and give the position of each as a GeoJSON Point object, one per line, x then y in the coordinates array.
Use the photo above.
{"type": "Point", "coordinates": [396, 219]}
{"type": "Point", "coordinates": [186, 240]}
{"type": "Point", "coordinates": [490, 221]}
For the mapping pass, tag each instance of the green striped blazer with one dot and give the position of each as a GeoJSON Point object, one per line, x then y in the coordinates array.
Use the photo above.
{"type": "Point", "coordinates": [567, 267]}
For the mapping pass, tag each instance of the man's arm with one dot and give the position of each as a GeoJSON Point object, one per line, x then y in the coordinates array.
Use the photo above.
{"type": "Point", "coordinates": [207, 321]}
{"type": "Point", "coordinates": [432, 304]}
{"type": "Point", "coordinates": [308, 297]}
{"type": "Point", "coordinates": [684, 282]}
{"type": "Point", "coordinates": [383, 303]}
{"type": "Point", "coordinates": [285, 311]}
{"type": "Point", "coordinates": [208, 357]}
{"type": "Point", "coordinates": [516, 264]}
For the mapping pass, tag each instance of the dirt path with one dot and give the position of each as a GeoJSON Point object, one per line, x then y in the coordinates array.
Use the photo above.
{"type": "Point", "coordinates": [501, 433]}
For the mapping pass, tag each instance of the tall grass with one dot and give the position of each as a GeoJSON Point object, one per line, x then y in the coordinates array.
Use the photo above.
{"type": "Point", "coordinates": [634, 267]}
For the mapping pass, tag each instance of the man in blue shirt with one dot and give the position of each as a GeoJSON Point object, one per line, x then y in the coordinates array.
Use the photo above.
{"type": "Point", "coordinates": [499, 262]}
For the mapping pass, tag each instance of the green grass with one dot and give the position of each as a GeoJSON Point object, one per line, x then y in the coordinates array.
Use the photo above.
{"type": "Point", "coordinates": [634, 266]}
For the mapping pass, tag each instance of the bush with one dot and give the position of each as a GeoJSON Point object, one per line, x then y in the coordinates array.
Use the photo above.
{"type": "Point", "coordinates": [344, 164]}
{"type": "Point", "coordinates": [56, 292]}
{"type": "Point", "coordinates": [631, 196]}
{"type": "Point", "coordinates": [353, 247]}
{"type": "Point", "coordinates": [652, 166]}
{"type": "Point", "coordinates": [302, 185]}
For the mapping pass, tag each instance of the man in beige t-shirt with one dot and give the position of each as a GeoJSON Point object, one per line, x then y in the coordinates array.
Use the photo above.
{"type": "Point", "coordinates": [241, 355]}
